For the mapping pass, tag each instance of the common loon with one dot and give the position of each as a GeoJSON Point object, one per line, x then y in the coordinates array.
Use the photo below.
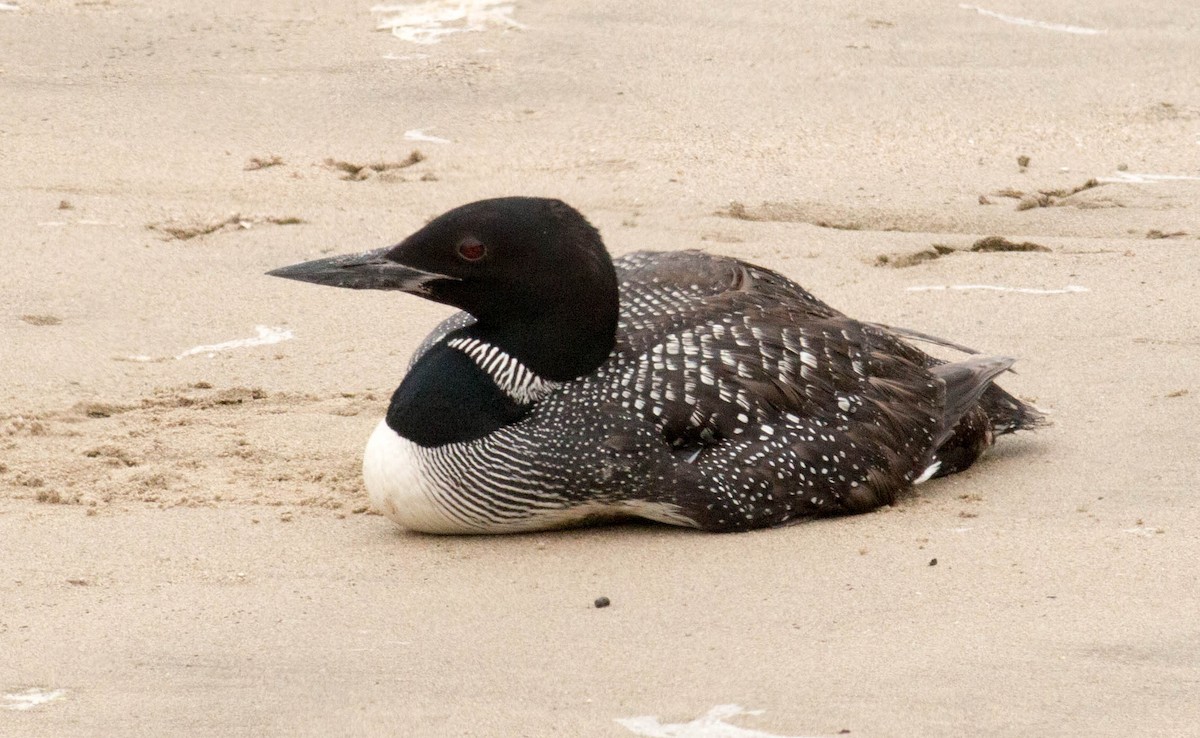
{"type": "Point", "coordinates": [682, 387]}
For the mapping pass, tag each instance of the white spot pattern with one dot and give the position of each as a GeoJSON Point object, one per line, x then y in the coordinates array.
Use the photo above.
{"type": "Point", "coordinates": [743, 402]}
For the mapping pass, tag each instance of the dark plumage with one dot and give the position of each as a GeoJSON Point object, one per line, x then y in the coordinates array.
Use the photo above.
{"type": "Point", "coordinates": [682, 387]}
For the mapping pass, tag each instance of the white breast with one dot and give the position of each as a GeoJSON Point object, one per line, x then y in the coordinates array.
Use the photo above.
{"type": "Point", "coordinates": [405, 484]}
{"type": "Point", "coordinates": [397, 477]}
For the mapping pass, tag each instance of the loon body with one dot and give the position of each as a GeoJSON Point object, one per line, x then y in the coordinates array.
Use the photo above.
{"type": "Point", "coordinates": [681, 387]}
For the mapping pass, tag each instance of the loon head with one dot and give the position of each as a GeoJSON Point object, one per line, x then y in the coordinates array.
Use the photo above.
{"type": "Point", "coordinates": [532, 272]}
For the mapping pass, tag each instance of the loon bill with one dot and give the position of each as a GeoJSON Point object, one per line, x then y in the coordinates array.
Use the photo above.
{"type": "Point", "coordinates": [682, 387]}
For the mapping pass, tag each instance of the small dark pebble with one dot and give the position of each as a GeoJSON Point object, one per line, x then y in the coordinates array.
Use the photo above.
{"type": "Point", "coordinates": [933, 562]}
{"type": "Point", "coordinates": [602, 602]}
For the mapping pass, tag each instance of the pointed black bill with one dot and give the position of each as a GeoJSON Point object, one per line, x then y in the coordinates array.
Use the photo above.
{"type": "Point", "coordinates": [369, 270]}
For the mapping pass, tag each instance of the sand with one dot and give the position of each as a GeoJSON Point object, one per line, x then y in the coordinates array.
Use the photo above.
{"type": "Point", "coordinates": [185, 547]}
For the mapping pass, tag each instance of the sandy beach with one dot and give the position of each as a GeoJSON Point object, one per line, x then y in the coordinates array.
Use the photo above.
{"type": "Point", "coordinates": [185, 542]}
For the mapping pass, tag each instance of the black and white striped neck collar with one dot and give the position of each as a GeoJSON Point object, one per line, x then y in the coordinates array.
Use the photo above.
{"type": "Point", "coordinates": [513, 377]}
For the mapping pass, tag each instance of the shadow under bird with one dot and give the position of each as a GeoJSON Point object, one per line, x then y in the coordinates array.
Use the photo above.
{"type": "Point", "coordinates": [682, 387]}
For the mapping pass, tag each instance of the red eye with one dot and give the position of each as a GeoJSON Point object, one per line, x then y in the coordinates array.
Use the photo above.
{"type": "Point", "coordinates": [471, 249]}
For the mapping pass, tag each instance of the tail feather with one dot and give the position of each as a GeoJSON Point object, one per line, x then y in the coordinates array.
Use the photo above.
{"type": "Point", "coordinates": [990, 411]}
{"type": "Point", "coordinates": [965, 382]}
{"type": "Point", "coordinates": [1007, 414]}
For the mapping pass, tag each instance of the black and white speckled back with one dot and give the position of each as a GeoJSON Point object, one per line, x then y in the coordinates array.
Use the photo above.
{"type": "Point", "coordinates": [734, 399]}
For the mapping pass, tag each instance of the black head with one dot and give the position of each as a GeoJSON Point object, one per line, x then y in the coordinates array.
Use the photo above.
{"type": "Point", "coordinates": [532, 271]}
